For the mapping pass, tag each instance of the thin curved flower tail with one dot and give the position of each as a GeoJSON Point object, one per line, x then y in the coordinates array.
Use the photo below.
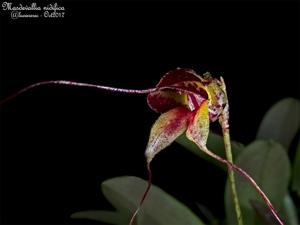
{"type": "Point", "coordinates": [132, 220]}
{"type": "Point", "coordinates": [165, 130]}
{"type": "Point", "coordinates": [78, 84]}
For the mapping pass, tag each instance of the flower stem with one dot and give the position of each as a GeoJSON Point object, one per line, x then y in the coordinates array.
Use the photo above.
{"type": "Point", "coordinates": [227, 144]}
{"type": "Point", "coordinates": [224, 121]}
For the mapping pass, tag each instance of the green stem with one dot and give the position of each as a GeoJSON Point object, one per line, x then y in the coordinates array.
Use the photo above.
{"type": "Point", "coordinates": [224, 121]}
{"type": "Point", "coordinates": [227, 143]}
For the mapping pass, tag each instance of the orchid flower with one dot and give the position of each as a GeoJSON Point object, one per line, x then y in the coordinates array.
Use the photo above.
{"type": "Point", "coordinates": [187, 103]}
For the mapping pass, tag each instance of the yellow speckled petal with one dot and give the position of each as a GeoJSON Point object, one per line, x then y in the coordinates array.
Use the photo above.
{"type": "Point", "coordinates": [198, 128]}
{"type": "Point", "coordinates": [166, 129]}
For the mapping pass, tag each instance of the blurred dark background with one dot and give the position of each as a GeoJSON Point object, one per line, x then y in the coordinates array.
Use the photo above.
{"type": "Point", "coordinates": [59, 143]}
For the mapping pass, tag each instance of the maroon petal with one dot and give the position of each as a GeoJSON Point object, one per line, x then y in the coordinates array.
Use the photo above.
{"type": "Point", "coordinates": [175, 87]}
{"type": "Point", "coordinates": [164, 100]}
{"type": "Point", "coordinates": [191, 87]}
{"type": "Point", "coordinates": [178, 75]}
{"type": "Point", "coordinates": [175, 95]}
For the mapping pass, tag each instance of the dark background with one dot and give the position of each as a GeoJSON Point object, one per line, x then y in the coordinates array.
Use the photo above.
{"type": "Point", "coordinates": [59, 143]}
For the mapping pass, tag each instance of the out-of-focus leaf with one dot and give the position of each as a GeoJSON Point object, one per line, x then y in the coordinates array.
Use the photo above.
{"type": "Point", "coordinates": [124, 193]}
{"type": "Point", "coordinates": [212, 220]}
{"type": "Point", "coordinates": [289, 211]}
{"type": "Point", "coordinates": [215, 143]}
{"type": "Point", "coordinates": [296, 171]}
{"type": "Point", "coordinates": [281, 122]}
{"type": "Point", "coordinates": [264, 213]}
{"type": "Point", "coordinates": [268, 164]}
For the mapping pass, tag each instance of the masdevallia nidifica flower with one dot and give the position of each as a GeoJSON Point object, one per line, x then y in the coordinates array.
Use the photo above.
{"type": "Point", "coordinates": [187, 103]}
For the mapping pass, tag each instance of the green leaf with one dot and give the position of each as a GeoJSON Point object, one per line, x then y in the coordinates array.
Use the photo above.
{"type": "Point", "coordinates": [264, 213]}
{"type": "Point", "coordinates": [268, 164]}
{"type": "Point", "coordinates": [124, 193]}
{"type": "Point", "coordinates": [212, 220]}
{"type": "Point", "coordinates": [289, 211]}
{"type": "Point", "coordinates": [215, 143]}
{"type": "Point", "coordinates": [296, 171]}
{"type": "Point", "coordinates": [281, 122]}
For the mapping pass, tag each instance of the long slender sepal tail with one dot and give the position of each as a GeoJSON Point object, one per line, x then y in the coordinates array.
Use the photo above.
{"type": "Point", "coordinates": [132, 220]}
{"type": "Point", "coordinates": [78, 84]}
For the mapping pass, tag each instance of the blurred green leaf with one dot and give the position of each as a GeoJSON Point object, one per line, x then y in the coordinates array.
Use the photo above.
{"type": "Point", "coordinates": [296, 171]}
{"type": "Point", "coordinates": [268, 164]}
{"type": "Point", "coordinates": [264, 213]}
{"type": "Point", "coordinates": [215, 143]}
{"type": "Point", "coordinates": [281, 122]}
{"type": "Point", "coordinates": [212, 220]}
{"type": "Point", "coordinates": [289, 211]}
{"type": "Point", "coordinates": [124, 193]}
